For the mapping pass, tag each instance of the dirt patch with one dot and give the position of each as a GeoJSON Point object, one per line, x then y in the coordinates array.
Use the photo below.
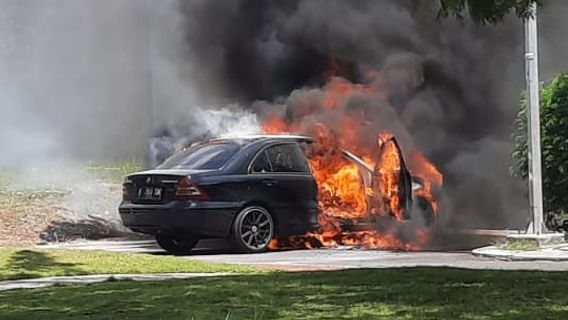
{"type": "Point", "coordinates": [25, 214]}
{"type": "Point", "coordinates": [83, 211]}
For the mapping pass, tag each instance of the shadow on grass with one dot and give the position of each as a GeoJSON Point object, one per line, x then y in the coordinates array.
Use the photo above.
{"type": "Point", "coordinates": [32, 264]}
{"type": "Point", "coordinates": [416, 293]}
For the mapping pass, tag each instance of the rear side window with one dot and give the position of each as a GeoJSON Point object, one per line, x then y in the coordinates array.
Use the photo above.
{"type": "Point", "coordinates": [261, 164]}
{"type": "Point", "coordinates": [202, 157]}
{"type": "Point", "coordinates": [287, 158]}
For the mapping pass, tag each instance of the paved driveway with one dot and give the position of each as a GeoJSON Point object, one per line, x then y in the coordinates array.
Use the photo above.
{"type": "Point", "coordinates": [216, 251]}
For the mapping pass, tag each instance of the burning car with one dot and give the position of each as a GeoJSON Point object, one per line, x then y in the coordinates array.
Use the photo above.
{"type": "Point", "coordinates": [262, 192]}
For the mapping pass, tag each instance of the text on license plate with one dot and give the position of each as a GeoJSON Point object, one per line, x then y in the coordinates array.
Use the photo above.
{"type": "Point", "coordinates": [150, 193]}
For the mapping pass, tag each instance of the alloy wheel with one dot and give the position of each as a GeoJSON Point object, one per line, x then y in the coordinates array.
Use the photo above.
{"type": "Point", "coordinates": [256, 229]}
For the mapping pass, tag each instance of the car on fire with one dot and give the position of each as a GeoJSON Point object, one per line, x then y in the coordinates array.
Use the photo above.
{"type": "Point", "coordinates": [251, 189]}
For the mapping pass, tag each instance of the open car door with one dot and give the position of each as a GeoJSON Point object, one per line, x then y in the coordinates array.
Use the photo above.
{"type": "Point", "coordinates": [390, 186]}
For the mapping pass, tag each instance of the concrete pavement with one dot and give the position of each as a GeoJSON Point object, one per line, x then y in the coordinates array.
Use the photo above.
{"type": "Point", "coordinates": [556, 253]}
{"type": "Point", "coordinates": [318, 259]}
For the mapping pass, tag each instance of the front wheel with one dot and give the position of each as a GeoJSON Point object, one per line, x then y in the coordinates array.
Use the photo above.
{"type": "Point", "coordinates": [253, 229]}
{"type": "Point", "coordinates": [176, 245]}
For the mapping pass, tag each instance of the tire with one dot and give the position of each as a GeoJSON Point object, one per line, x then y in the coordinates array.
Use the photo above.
{"type": "Point", "coordinates": [253, 229]}
{"type": "Point", "coordinates": [174, 245]}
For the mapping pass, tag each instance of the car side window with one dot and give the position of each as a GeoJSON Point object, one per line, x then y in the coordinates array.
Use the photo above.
{"type": "Point", "coordinates": [261, 164]}
{"type": "Point", "coordinates": [287, 158]}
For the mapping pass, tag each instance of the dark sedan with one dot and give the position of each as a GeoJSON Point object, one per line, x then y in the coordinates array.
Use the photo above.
{"type": "Point", "coordinates": [250, 189]}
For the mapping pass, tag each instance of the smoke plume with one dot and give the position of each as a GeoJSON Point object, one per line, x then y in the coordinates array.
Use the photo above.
{"type": "Point", "coordinates": [453, 86]}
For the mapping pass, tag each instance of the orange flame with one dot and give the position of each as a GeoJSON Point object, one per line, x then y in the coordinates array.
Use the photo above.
{"type": "Point", "coordinates": [431, 177]}
{"type": "Point", "coordinates": [343, 195]}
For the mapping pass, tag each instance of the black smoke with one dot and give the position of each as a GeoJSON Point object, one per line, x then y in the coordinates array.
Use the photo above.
{"type": "Point", "coordinates": [454, 84]}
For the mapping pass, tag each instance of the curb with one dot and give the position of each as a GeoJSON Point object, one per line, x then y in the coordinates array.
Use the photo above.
{"type": "Point", "coordinates": [509, 255]}
{"type": "Point", "coordinates": [36, 283]}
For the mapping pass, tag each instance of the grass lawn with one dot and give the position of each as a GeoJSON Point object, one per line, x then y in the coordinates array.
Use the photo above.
{"type": "Point", "coordinates": [417, 293]}
{"type": "Point", "coordinates": [521, 245]}
{"type": "Point", "coordinates": [24, 263]}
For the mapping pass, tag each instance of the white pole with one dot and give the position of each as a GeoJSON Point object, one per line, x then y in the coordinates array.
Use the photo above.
{"type": "Point", "coordinates": [533, 116]}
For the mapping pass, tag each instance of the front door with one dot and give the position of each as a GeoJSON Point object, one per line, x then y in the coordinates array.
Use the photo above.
{"type": "Point", "coordinates": [282, 173]}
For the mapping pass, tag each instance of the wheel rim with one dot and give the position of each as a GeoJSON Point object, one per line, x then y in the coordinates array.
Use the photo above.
{"type": "Point", "coordinates": [256, 228]}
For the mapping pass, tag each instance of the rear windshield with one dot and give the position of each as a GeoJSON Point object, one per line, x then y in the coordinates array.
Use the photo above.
{"type": "Point", "coordinates": [201, 157]}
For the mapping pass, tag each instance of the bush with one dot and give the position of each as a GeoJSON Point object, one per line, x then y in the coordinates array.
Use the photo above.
{"type": "Point", "coordinates": [554, 137]}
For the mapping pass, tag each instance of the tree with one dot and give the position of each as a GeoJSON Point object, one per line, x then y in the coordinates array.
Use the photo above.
{"type": "Point", "coordinates": [486, 11]}
{"type": "Point", "coordinates": [554, 135]}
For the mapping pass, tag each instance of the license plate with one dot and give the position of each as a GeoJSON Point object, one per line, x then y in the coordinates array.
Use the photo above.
{"type": "Point", "coordinates": [149, 193]}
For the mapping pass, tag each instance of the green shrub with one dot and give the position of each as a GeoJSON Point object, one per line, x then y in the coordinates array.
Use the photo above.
{"type": "Point", "coordinates": [554, 137]}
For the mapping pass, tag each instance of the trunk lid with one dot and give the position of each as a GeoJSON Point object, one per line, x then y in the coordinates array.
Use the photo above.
{"type": "Point", "coordinates": [156, 186]}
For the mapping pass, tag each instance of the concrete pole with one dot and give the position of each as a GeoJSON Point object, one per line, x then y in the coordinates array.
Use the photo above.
{"type": "Point", "coordinates": [533, 116]}
{"type": "Point", "coordinates": [150, 66]}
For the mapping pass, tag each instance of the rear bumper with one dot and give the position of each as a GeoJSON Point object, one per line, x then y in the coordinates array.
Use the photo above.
{"type": "Point", "coordinates": [205, 219]}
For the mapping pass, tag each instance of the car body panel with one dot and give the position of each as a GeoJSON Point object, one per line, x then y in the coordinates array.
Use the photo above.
{"type": "Point", "coordinates": [206, 218]}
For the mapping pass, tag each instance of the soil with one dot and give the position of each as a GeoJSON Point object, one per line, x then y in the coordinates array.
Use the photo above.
{"type": "Point", "coordinates": [83, 211]}
{"type": "Point", "coordinates": [21, 223]}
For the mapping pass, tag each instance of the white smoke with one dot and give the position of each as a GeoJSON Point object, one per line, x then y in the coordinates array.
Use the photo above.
{"type": "Point", "coordinates": [227, 122]}
{"type": "Point", "coordinates": [205, 123]}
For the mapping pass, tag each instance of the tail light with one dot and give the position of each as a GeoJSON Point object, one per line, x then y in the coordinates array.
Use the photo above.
{"type": "Point", "coordinates": [126, 196]}
{"type": "Point", "coordinates": [186, 189]}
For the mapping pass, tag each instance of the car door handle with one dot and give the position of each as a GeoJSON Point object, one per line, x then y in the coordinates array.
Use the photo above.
{"type": "Point", "coordinates": [270, 182]}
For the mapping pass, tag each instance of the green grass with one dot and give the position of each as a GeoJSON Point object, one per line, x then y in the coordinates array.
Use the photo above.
{"type": "Point", "coordinates": [114, 172]}
{"type": "Point", "coordinates": [417, 293]}
{"type": "Point", "coordinates": [27, 196]}
{"type": "Point", "coordinates": [24, 263]}
{"type": "Point", "coordinates": [521, 245]}
{"type": "Point", "coordinates": [7, 177]}
{"type": "Point", "coordinates": [111, 171]}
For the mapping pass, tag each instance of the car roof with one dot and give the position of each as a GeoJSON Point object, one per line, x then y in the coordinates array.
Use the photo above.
{"type": "Point", "coordinates": [258, 138]}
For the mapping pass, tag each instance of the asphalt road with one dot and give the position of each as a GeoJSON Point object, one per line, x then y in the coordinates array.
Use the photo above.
{"type": "Point", "coordinates": [323, 259]}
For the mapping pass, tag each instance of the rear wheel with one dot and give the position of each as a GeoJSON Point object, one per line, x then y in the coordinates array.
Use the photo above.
{"type": "Point", "coordinates": [176, 245]}
{"type": "Point", "coordinates": [253, 229]}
